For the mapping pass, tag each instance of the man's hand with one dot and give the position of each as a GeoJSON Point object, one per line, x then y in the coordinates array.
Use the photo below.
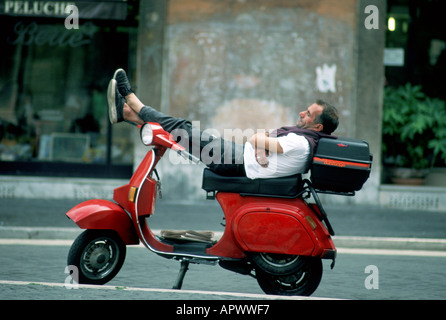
{"type": "Point", "coordinates": [263, 145]}
{"type": "Point", "coordinates": [262, 157]}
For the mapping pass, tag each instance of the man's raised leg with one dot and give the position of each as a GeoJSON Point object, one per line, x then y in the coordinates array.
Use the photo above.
{"type": "Point", "coordinates": [189, 137]}
{"type": "Point", "coordinates": [130, 115]}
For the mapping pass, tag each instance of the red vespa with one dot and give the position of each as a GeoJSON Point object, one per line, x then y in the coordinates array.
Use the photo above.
{"type": "Point", "coordinates": [271, 232]}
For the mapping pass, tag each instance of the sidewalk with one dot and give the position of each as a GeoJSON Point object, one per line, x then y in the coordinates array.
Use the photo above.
{"type": "Point", "coordinates": [355, 226]}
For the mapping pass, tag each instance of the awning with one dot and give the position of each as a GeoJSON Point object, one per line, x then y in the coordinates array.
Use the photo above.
{"type": "Point", "coordinates": [110, 9]}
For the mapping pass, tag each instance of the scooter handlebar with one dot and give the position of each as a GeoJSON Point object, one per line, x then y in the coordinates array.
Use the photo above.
{"type": "Point", "coordinates": [188, 156]}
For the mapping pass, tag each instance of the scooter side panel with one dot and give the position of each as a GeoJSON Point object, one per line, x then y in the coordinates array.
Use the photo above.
{"type": "Point", "coordinates": [273, 232]}
{"type": "Point", "coordinates": [105, 215]}
{"type": "Point", "coordinates": [324, 245]}
{"type": "Point", "coordinates": [270, 225]}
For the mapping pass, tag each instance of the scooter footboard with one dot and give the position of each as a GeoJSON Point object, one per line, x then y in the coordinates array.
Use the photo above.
{"type": "Point", "coordinates": [104, 215]}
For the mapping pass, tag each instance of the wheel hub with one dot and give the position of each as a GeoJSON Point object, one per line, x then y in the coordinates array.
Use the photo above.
{"type": "Point", "coordinates": [99, 256]}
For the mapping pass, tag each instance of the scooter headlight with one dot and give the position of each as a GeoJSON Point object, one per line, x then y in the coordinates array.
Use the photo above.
{"type": "Point", "coordinates": [147, 134]}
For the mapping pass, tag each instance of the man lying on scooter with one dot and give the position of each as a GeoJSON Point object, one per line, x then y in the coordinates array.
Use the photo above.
{"type": "Point", "coordinates": [282, 152]}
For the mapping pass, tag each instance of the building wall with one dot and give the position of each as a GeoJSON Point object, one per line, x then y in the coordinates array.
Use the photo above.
{"type": "Point", "coordinates": [225, 63]}
{"type": "Point", "coordinates": [252, 65]}
{"type": "Point", "coordinates": [367, 117]}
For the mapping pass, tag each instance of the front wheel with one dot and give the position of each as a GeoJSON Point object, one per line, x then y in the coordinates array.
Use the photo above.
{"type": "Point", "coordinates": [303, 282]}
{"type": "Point", "coordinates": [98, 256]}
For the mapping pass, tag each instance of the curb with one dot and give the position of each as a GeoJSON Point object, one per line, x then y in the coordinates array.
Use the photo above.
{"type": "Point", "coordinates": [356, 242]}
{"type": "Point", "coordinates": [38, 233]}
{"type": "Point", "coordinates": [427, 244]}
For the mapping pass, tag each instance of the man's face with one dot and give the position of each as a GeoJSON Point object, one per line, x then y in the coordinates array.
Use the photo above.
{"type": "Point", "coordinates": [307, 117]}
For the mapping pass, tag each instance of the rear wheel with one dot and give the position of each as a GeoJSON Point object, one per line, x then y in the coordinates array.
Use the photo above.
{"type": "Point", "coordinates": [302, 282]}
{"type": "Point", "coordinates": [98, 256]}
{"type": "Point", "coordinates": [278, 264]}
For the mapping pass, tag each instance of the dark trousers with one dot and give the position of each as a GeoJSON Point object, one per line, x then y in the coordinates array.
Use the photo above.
{"type": "Point", "coordinates": [221, 156]}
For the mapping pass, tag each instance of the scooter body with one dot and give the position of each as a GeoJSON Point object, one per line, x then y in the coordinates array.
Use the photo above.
{"type": "Point", "coordinates": [279, 240]}
{"type": "Point", "coordinates": [273, 225]}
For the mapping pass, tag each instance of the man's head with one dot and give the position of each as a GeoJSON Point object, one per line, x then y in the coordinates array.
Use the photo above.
{"type": "Point", "coordinates": [320, 116]}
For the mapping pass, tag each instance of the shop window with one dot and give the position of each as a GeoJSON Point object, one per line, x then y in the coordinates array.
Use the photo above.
{"type": "Point", "coordinates": [416, 45]}
{"type": "Point", "coordinates": [53, 106]}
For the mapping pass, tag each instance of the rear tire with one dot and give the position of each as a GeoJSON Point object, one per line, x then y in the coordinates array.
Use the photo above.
{"type": "Point", "coordinates": [98, 256]}
{"type": "Point", "coordinates": [278, 264]}
{"type": "Point", "coordinates": [301, 283]}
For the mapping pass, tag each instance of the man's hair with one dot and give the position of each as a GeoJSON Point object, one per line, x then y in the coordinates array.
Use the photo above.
{"type": "Point", "coordinates": [328, 118]}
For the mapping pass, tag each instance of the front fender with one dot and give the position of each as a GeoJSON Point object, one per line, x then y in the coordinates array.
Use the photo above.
{"type": "Point", "coordinates": [106, 215]}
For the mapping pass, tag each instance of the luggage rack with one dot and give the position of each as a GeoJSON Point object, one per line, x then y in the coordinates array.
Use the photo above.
{"type": "Point", "coordinates": [338, 193]}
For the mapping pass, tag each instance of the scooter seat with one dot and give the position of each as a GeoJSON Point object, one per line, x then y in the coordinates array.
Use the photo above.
{"type": "Point", "coordinates": [285, 186]}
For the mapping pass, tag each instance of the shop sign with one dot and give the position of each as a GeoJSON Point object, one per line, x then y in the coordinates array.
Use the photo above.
{"type": "Point", "coordinates": [111, 9]}
{"type": "Point", "coordinates": [35, 34]}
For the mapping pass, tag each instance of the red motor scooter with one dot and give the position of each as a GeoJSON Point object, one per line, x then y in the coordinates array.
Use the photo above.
{"type": "Point", "coordinates": [271, 232]}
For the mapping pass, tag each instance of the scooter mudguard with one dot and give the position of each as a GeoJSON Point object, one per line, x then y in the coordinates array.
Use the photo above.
{"type": "Point", "coordinates": [105, 215]}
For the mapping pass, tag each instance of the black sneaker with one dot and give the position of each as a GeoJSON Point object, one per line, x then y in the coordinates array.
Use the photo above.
{"type": "Point", "coordinates": [115, 103]}
{"type": "Point", "coordinates": [124, 86]}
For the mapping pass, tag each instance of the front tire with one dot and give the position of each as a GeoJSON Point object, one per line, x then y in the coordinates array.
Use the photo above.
{"type": "Point", "coordinates": [300, 283]}
{"type": "Point", "coordinates": [98, 256]}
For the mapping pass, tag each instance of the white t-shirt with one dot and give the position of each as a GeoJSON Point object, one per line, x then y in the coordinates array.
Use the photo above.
{"type": "Point", "coordinates": [293, 160]}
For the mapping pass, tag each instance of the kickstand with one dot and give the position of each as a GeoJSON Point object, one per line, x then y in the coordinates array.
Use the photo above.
{"type": "Point", "coordinates": [184, 267]}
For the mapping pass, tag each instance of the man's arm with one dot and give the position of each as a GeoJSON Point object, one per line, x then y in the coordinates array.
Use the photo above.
{"type": "Point", "coordinates": [263, 144]}
{"type": "Point", "coordinates": [263, 141]}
